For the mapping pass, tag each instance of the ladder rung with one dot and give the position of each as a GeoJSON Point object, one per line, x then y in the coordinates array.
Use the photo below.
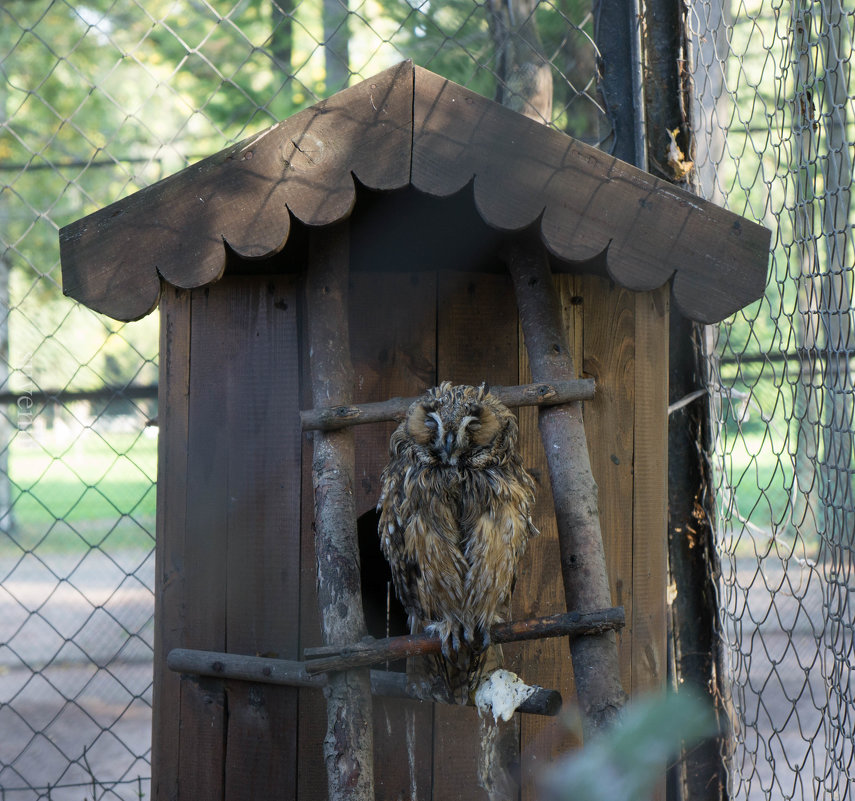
{"type": "Point", "coordinates": [371, 651]}
{"type": "Point", "coordinates": [290, 673]}
{"type": "Point", "coordinates": [541, 394]}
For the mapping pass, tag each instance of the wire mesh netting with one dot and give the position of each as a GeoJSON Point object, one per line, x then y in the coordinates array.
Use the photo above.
{"type": "Point", "coordinates": [773, 117]}
{"type": "Point", "coordinates": [97, 100]}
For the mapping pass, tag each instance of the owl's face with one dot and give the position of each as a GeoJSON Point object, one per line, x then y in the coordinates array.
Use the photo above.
{"type": "Point", "coordinates": [457, 425]}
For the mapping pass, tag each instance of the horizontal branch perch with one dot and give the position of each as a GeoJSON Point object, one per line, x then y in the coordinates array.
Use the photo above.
{"type": "Point", "coordinates": [265, 670]}
{"type": "Point", "coordinates": [370, 652]}
{"type": "Point", "coordinates": [542, 394]}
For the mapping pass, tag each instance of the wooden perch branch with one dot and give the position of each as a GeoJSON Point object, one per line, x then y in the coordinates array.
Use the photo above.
{"type": "Point", "coordinates": [583, 564]}
{"type": "Point", "coordinates": [370, 652]}
{"type": "Point", "coordinates": [541, 394]}
{"type": "Point", "coordinates": [264, 670]}
{"type": "Point", "coordinates": [349, 741]}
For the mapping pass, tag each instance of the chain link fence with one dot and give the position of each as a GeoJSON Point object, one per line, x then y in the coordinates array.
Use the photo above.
{"type": "Point", "coordinates": [773, 121]}
{"type": "Point", "coordinates": [97, 100]}
{"type": "Point", "coordinates": [102, 98]}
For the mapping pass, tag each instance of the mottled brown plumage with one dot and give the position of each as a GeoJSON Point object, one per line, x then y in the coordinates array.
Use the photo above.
{"type": "Point", "coordinates": [455, 516]}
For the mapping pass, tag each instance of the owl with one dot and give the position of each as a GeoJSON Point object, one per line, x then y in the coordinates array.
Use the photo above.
{"type": "Point", "coordinates": [455, 516]}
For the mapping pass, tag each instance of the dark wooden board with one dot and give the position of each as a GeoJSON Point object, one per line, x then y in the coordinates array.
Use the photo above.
{"type": "Point", "coordinates": [407, 125]}
{"type": "Point", "coordinates": [112, 260]}
{"type": "Point", "coordinates": [203, 704]}
{"type": "Point", "coordinates": [393, 349]}
{"type": "Point", "coordinates": [592, 204]}
{"type": "Point", "coordinates": [173, 394]}
{"type": "Point", "coordinates": [260, 405]}
{"type": "Point", "coordinates": [477, 340]}
{"type": "Point", "coordinates": [608, 326]}
{"type": "Point", "coordinates": [312, 709]}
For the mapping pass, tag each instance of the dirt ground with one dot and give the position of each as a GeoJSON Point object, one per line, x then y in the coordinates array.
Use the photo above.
{"type": "Point", "coordinates": [75, 680]}
{"type": "Point", "coordinates": [75, 677]}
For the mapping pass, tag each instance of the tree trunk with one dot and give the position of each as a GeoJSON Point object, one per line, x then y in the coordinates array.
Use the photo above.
{"type": "Point", "coordinates": [349, 742]}
{"type": "Point", "coordinates": [692, 558]}
{"type": "Point", "coordinates": [804, 500]}
{"type": "Point", "coordinates": [282, 38]}
{"type": "Point", "coordinates": [336, 45]}
{"type": "Point", "coordinates": [524, 74]}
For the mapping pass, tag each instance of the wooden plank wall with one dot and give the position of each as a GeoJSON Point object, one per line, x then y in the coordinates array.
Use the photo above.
{"type": "Point", "coordinates": [236, 565]}
{"type": "Point", "coordinates": [619, 338]}
{"type": "Point", "coordinates": [228, 513]}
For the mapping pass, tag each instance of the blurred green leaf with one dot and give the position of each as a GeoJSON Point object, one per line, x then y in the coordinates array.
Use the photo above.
{"type": "Point", "coordinates": [625, 763]}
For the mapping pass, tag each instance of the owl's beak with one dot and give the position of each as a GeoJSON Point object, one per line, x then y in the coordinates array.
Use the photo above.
{"type": "Point", "coordinates": [448, 444]}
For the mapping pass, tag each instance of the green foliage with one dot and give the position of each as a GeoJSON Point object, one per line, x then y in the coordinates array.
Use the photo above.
{"type": "Point", "coordinates": [625, 763]}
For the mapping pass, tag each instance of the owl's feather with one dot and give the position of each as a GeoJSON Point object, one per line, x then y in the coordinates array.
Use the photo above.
{"type": "Point", "coordinates": [455, 516]}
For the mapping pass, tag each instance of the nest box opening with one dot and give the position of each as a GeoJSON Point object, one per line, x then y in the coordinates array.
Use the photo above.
{"type": "Point", "coordinates": [384, 615]}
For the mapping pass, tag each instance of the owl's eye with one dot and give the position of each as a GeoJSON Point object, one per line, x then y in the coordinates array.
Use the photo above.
{"type": "Point", "coordinates": [430, 423]}
{"type": "Point", "coordinates": [473, 426]}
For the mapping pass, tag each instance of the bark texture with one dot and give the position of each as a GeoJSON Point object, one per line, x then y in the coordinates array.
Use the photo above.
{"type": "Point", "coordinates": [349, 742]}
{"type": "Point", "coordinates": [330, 419]}
{"type": "Point", "coordinates": [583, 564]}
{"type": "Point", "coordinates": [370, 652]}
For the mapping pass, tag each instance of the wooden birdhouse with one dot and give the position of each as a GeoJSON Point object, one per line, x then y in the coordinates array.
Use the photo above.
{"type": "Point", "coordinates": [426, 198]}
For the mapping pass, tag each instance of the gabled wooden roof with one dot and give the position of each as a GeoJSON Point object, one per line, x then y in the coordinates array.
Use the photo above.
{"type": "Point", "coordinates": [410, 127]}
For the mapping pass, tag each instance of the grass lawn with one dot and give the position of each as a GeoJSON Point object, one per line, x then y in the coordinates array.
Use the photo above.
{"type": "Point", "coordinates": [97, 490]}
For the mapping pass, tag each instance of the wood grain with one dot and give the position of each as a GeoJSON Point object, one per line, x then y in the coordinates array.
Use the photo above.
{"type": "Point", "coordinates": [260, 402]}
{"type": "Point", "coordinates": [393, 336]}
{"type": "Point", "coordinates": [173, 394]}
{"type": "Point", "coordinates": [650, 515]}
{"type": "Point", "coordinates": [593, 206]}
{"type": "Point", "coordinates": [241, 195]}
{"type": "Point", "coordinates": [650, 500]}
{"type": "Point", "coordinates": [477, 340]}
{"type": "Point", "coordinates": [608, 355]}
{"type": "Point", "coordinates": [203, 711]}
{"type": "Point", "coordinates": [408, 125]}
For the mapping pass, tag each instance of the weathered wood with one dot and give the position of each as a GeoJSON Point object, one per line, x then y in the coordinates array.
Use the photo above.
{"type": "Point", "coordinates": [590, 204]}
{"type": "Point", "coordinates": [312, 709]}
{"type": "Point", "coordinates": [259, 402]}
{"type": "Point", "coordinates": [477, 340]}
{"type": "Point", "coordinates": [541, 394]}
{"type": "Point", "coordinates": [370, 652]}
{"type": "Point", "coordinates": [173, 395]}
{"type": "Point", "coordinates": [547, 662]}
{"type": "Point", "coordinates": [407, 125]}
{"type": "Point", "coordinates": [393, 350]}
{"type": "Point", "coordinates": [112, 260]}
{"type": "Point", "coordinates": [349, 743]}
{"type": "Point", "coordinates": [264, 670]}
{"type": "Point", "coordinates": [607, 352]}
{"type": "Point", "coordinates": [595, 661]}
{"type": "Point", "coordinates": [203, 708]}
